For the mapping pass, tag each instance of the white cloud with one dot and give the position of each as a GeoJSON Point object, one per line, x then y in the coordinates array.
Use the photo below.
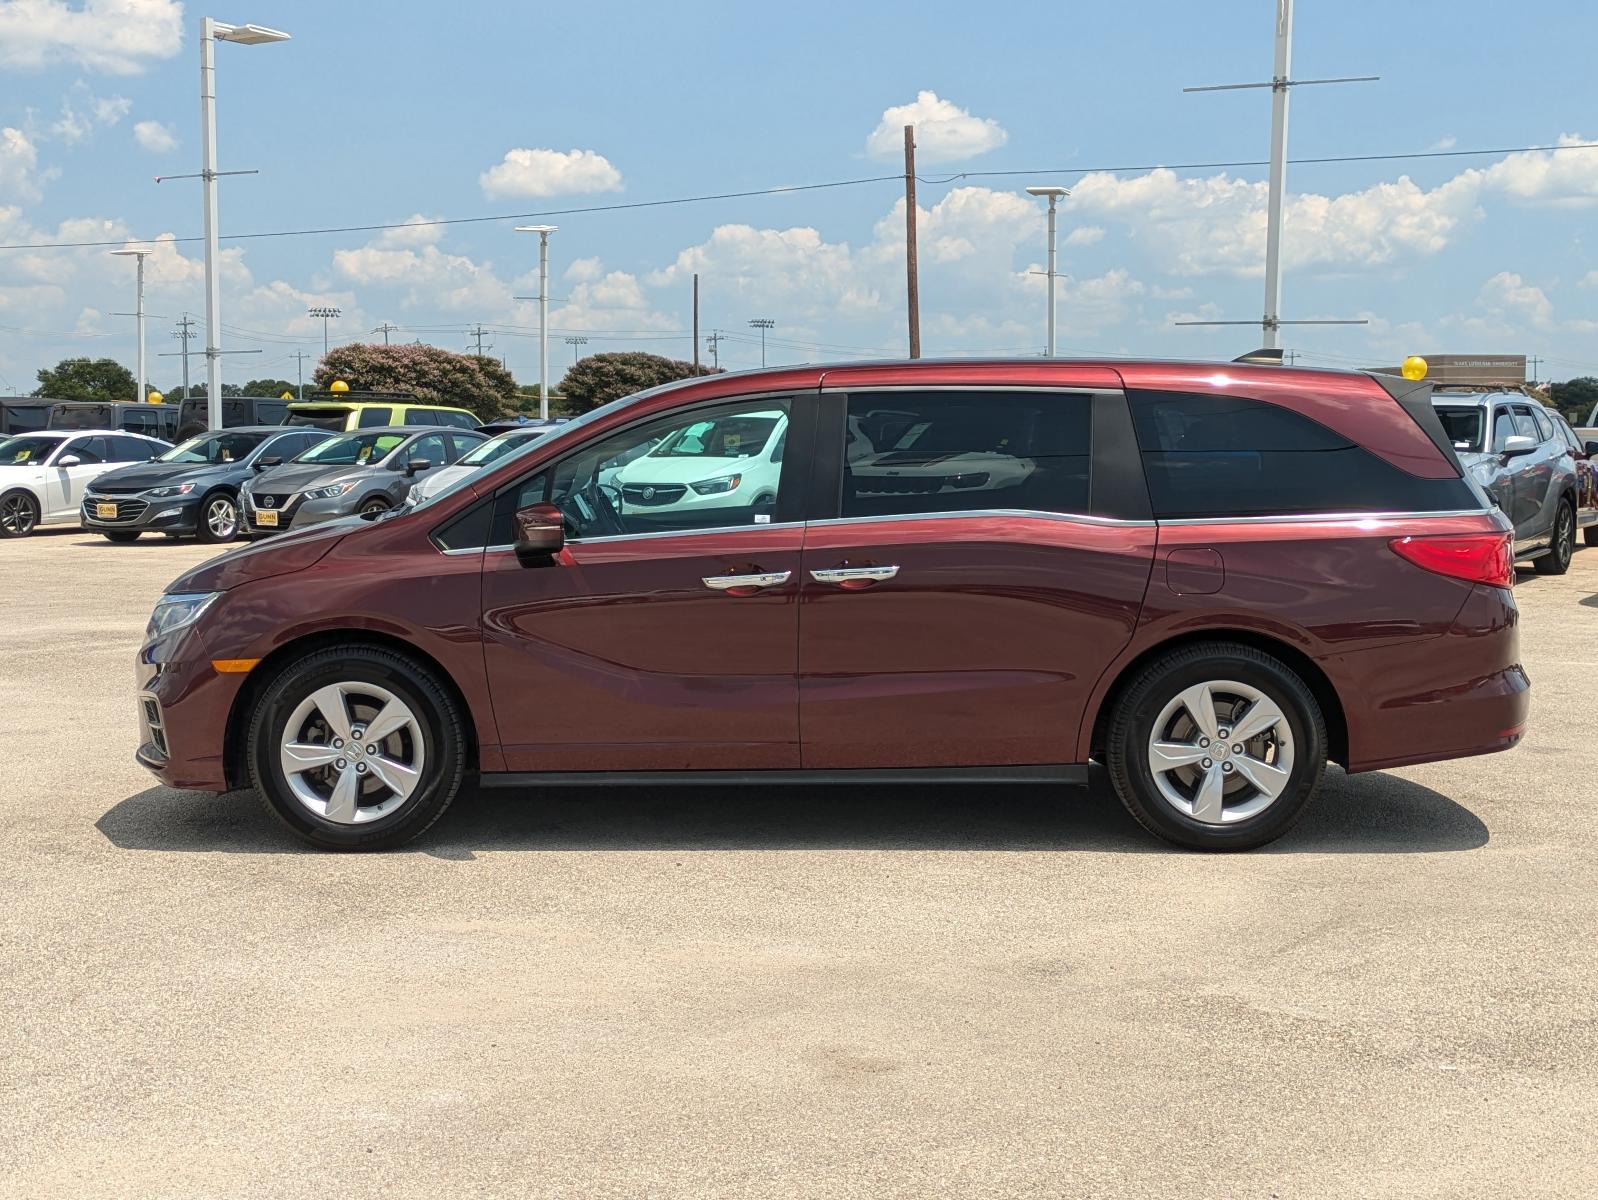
{"type": "Point", "coordinates": [945, 132]}
{"type": "Point", "coordinates": [584, 270]}
{"type": "Point", "coordinates": [1590, 279]}
{"type": "Point", "coordinates": [1444, 143]}
{"type": "Point", "coordinates": [1565, 179]}
{"type": "Point", "coordinates": [525, 172]}
{"type": "Point", "coordinates": [154, 137]}
{"type": "Point", "coordinates": [19, 166]}
{"type": "Point", "coordinates": [1506, 294]}
{"type": "Point", "coordinates": [1085, 235]}
{"type": "Point", "coordinates": [428, 277]}
{"type": "Point", "coordinates": [415, 230]}
{"type": "Point", "coordinates": [82, 112]}
{"type": "Point", "coordinates": [119, 37]}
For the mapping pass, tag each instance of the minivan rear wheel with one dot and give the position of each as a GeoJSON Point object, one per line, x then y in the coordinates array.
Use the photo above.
{"type": "Point", "coordinates": [356, 748]}
{"type": "Point", "coordinates": [1216, 746]}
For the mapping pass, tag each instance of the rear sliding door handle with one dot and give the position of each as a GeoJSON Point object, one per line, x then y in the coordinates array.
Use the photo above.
{"type": "Point", "coordinates": [854, 575]}
{"type": "Point", "coordinates": [728, 583]}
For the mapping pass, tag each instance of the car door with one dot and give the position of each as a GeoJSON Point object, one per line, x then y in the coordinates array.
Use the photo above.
{"type": "Point", "coordinates": [663, 639]}
{"type": "Point", "coordinates": [1497, 475]}
{"type": "Point", "coordinates": [65, 484]}
{"type": "Point", "coordinates": [1534, 477]}
{"type": "Point", "coordinates": [974, 578]}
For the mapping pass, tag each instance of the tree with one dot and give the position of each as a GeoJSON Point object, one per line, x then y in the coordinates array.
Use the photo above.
{"type": "Point", "coordinates": [1575, 397]}
{"type": "Point", "coordinates": [601, 378]}
{"type": "Point", "coordinates": [264, 387]}
{"type": "Point", "coordinates": [101, 379]}
{"type": "Point", "coordinates": [174, 394]}
{"type": "Point", "coordinates": [431, 374]}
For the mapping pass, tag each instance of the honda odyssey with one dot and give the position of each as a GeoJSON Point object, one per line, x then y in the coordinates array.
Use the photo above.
{"type": "Point", "coordinates": [1211, 578]}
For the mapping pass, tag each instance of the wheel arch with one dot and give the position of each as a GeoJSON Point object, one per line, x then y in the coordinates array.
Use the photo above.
{"type": "Point", "coordinates": [234, 750]}
{"type": "Point", "coordinates": [1301, 664]}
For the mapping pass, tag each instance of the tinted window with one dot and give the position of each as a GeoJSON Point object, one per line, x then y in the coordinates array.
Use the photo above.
{"type": "Point", "coordinates": [1222, 456]}
{"type": "Point", "coordinates": [1568, 435]}
{"type": "Point", "coordinates": [376, 418]}
{"type": "Point", "coordinates": [82, 416]}
{"type": "Point", "coordinates": [127, 449]}
{"type": "Point", "coordinates": [270, 412]}
{"type": "Point", "coordinates": [1463, 425]}
{"type": "Point", "coordinates": [90, 450]}
{"type": "Point", "coordinates": [420, 416]}
{"type": "Point", "coordinates": [458, 420]}
{"type": "Point", "coordinates": [214, 448]}
{"type": "Point", "coordinates": [921, 452]}
{"type": "Point", "coordinates": [1524, 425]}
{"type": "Point", "coordinates": [432, 448]}
{"type": "Point", "coordinates": [356, 449]}
{"type": "Point", "coordinates": [460, 443]}
{"type": "Point", "coordinates": [141, 420]}
{"type": "Point", "coordinates": [24, 418]}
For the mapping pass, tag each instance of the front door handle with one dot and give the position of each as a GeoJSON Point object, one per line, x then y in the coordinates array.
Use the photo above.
{"type": "Point", "coordinates": [739, 584]}
{"type": "Point", "coordinates": [854, 576]}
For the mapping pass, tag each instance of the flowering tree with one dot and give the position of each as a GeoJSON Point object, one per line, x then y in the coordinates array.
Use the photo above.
{"type": "Point", "coordinates": [601, 378]}
{"type": "Point", "coordinates": [432, 374]}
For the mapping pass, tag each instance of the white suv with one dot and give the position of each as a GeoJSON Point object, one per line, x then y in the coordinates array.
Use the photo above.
{"type": "Point", "coordinates": [43, 475]}
{"type": "Point", "coordinates": [726, 464]}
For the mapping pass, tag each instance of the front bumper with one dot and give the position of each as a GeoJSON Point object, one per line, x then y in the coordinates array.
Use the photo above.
{"type": "Point", "coordinates": [140, 514]}
{"type": "Point", "coordinates": [295, 512]}
{"type": "Point", "coordinates": [183, 708]}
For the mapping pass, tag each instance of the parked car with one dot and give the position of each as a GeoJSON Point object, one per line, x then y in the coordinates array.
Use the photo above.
{"type": "Point", "coordinates": [24, 414]}
{"type": "Point", "coordinates": [513, 442]}
{"type": "Point", "coordinates": [193, 489]}
{"type": "Point", "coordinates": [342, 416]}
{"type": "Point", "coordinates": [727, 462]}
{"type": "Point", "coordinates": [1213, 579]}
{"type": "Point", "coordinates": [363, 473]}
{"type": "Point", "coordinates": [1586, 478]}
{"type": "Point", "coordinates": [152, 420]}
{"type": "Point", "coordinates": [1512, 446]}
{"type": "Point", "coordinates": [506, 424]}
{"type": "Point", "coordinates": [238, 412]}
{"type": "Point", "coordinates": [43, 475]}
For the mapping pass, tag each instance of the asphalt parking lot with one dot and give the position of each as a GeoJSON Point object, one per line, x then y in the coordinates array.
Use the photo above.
{"type": "Point", "coordinates": [783, 992]}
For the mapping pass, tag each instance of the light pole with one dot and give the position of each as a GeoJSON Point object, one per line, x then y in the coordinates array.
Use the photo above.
{"type": "Point", "coordinates": [211, 32]}
{"type": "Point", "coordinates": [326, 314]}
{"type": "Point", "coordinates": [762, 324]}
{"type": "Point", "coordinates": [574, 342]}
{"type": "Point", "coordinates": [138, 312]}
{"type": "Point", "coordinates": [543, 232]}
{"type": "Point", "coordinates": [1054, 194]}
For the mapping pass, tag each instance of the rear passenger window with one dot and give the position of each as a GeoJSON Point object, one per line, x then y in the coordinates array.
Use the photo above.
{"type": "Point", "coordinates": [457, 420]}
{"type": "Point", "coordinates": [376, 418]}
{"type": "Point", "coordinates": [1545, 427]}
{"type": "Point", "coordinates": [127, 449]}
{"type": "Point", "coordinates": [421, 416]}
{"type": "Point", "coordinates": [936, 452]}
{"type": "Point", "coordinates": [1229, 456]}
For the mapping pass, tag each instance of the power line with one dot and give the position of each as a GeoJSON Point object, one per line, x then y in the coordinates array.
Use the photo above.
{"type": "Point", "coordinates": [812, 187]}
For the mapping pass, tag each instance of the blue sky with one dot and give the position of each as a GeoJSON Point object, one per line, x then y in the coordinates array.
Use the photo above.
{"type": "Point", "coordinates": [378, 113]}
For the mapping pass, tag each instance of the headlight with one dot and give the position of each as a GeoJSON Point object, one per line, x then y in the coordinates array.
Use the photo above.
{"type": "Point", "coordinates": [181, 489]}
{"type": "Point", "coordinates": [176, 611]}
{"type": "Point", "coordinates": [722, 483]}
{"type": "Point", "coordinates": [335, 489]}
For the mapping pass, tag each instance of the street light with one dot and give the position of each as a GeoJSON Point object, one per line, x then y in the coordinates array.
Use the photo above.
{"type": "Point", "coordinates": [762, 324]}
{"type": "Point", "coordinates": [1054, 194]}
{"type": "Point", "coordinates": [211, 32]}
{"type": "Point", "coordinates": [326, 314]}
{"type": "Point", "coordinates": [139, 255]}
{"type": "Point", "coordinates": [574, 342]}
{"type": "Point", "coordinates": [543, 232]}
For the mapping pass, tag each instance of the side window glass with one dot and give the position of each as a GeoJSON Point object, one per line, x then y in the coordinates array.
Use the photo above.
{"type": "Point", "coordinates": [431, 447]}
{"type": "Point", "coordinates": [705, 469]}
{"type": "Point", "coordinates": [1524, 425]}
{"type": "Point", "coordinates": [270, 412]}
{"type": "Point", "coordinates": [126, 449]}
{"type": "Point", "coordinates": [1545, 427]}
{"type": "Point", "coordinates": [375, 418]}
{"type": "Point", "coordinates": [420, 416]}
{"type": "Point", "coordinates": [933, 452]}
{"type": "Point", "coordinates": [90, 450]}
{"type": "Point", "coordinates": [1503, 429]}
{"type": "Point", "coordinates": [457, 420]}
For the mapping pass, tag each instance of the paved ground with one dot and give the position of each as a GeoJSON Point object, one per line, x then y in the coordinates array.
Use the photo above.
{"type": "Point", "coordinates": [874, 993]}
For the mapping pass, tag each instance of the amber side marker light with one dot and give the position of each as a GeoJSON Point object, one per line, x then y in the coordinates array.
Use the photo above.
{"type": "Point", "coordinates": [234, 666]}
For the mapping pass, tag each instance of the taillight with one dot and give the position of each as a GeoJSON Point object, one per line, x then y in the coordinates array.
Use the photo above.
{"type": "Point", "coordinates": [1474, 557]}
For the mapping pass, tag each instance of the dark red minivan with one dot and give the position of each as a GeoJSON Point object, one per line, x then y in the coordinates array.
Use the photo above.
{"type": "Point", "coordinates": [1212, 578]}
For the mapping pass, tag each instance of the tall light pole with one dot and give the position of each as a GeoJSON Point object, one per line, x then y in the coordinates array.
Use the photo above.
{"type": "Point", "coordinates": [326, 313]}
{"type": "Point", "coordinates": [574, 342]}
{"type": "Point", "coordinates": [211, 32]}
{"type": "Point", "coordinates": [138, 312]}
{"type": "Point", "coordinates": [543, 232]}
{"type": "Point", "coordinates": [1054, 194]}
{"type": "Point", "coordinates": [762, 324]}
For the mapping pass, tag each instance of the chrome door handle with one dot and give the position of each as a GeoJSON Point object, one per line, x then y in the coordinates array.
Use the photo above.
{"type": "Point", "coordinates": [725, 583]}
{"type": "Point", "coordinates": [852, 574]}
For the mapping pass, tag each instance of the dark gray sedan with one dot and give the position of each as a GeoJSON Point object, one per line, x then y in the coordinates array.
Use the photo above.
{"type": "Point", "coordinates": [364, 473]}
{"type": "Point", "coordinates": [193, 489]}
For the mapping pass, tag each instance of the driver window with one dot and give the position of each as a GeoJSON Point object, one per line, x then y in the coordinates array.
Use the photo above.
{"type": "Point", "coordinates": [708, 469]}
{"type": "Point", "coordinates": [1503, 429]}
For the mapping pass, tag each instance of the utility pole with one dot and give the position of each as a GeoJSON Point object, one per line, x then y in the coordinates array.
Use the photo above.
{"type": "Point", "coordinates": [385, 329]}
{"type": "Point", "coordinates": [1533, 362]}
{"type": "Point", "coordinates": [762, 324]}
{"type": "Point", "coordinates": [1271, 322]}
{"type": "Point", "coordinates": [911, 277]}
{"type": "Point", "coordinates": [299, 372]}
{"type": "Point", "coordinates": [714, 343]}
{"type": "Point", "coordinates": [185, 331]}
{"type": "Point", "coordinates": [478, 334]}
{"type": "Point", "coordinates": [696, 322]}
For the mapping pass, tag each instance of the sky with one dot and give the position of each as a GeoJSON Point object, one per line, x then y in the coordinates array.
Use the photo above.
{"type": "Point", "coordinates": [401, 112]}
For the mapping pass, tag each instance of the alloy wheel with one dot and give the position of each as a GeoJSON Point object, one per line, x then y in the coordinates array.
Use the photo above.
{"type": "Point", "coordinates": [17, 515]}
{"type": "Point", "coordinates": [352, 752]}
{"type": "Point", "coordinates": [1221, 752]}
{"type": "Point", "coordinates": [222, 518]}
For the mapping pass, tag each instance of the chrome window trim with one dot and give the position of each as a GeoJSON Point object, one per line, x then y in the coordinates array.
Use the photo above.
{"type": "Point", "coordinates": [1034, 513]}
{"type": "Point", "coordinates": [1327, 517]}
{"type": "Point", "coordinates": [636, 537]}
{"type": "Point", "coordinates": [1071, 389]}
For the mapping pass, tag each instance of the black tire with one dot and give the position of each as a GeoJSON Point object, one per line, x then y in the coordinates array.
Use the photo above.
{"type": "Point", "coordinates": [1156, 685]}
{"type": "Point", "coordinates": [203, 528]}
{"type": "Point", "coordinates": [120, 536]}
{"type": "Point", "coordinates": [1589, 536]}
{"type": "Point", "coordinates": [1562, 544]}
{"type": "Point", "coordinates": [19, 514]}
{"type": "Point", "coordinates": [443, 738]}
{"type": "Point", "coordinates": [373, 506]}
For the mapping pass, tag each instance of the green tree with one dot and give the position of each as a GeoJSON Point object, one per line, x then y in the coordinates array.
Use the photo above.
{"type": "Point", "coordinates": [174, 394]}
{"type": "Point", "coordinates": [1574, 397]}
{"type": "Point", "coordinates": [264, 387]}
{"type": "Point", "coordinates": [430, 373]}
{"type": "Point", "coordinates": [601, 378]}
{"type": "Point", "coordinates": [101, 379]}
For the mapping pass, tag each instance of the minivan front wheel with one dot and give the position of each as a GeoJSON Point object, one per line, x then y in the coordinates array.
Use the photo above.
{"type": "Point", "coordinates": [1217, 746]}
{"type": "Point", "coordinates": [356, 748]}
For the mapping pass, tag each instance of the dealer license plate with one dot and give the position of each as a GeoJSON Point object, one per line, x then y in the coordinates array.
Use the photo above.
{"type": "Point", "coordinates": [106, 512]}
{"type": "Point", "coordinates": [265, 517]}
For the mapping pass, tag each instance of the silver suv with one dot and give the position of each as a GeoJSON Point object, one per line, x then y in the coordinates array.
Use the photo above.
{"type": "Point", "coordinates": [1513, 446]}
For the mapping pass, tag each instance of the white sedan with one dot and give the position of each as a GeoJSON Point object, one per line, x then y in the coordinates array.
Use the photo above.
{"type": "Point", "coordinates": [43, 475]}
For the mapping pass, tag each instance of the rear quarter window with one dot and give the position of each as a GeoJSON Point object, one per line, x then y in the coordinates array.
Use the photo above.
{"type": "Point", "coordinates": [376, 418]}
{"type": "Point", "coordinates": [1216, 456]}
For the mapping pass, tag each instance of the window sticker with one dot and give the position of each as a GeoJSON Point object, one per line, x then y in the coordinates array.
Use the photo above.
{"type": "Point", "coordinates": [364, 454]}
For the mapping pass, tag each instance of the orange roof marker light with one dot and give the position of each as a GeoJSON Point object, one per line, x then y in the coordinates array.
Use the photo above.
{"type": "Point", "coordinates": [1414, 367]}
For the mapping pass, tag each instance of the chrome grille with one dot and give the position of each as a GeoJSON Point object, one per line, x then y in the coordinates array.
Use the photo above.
{"type": "Point", "coordinates": [653, 493]}
{"type": "Point", "coordinates": [127, 510]}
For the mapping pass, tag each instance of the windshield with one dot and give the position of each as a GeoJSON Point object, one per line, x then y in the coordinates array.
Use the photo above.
{"type": "Point", "coordinates": [1463, 425]}
{"type": "Point", "coordinates": [359, 449]}
{"type": "Point", "coordinates": [497, 448]}
{"type": "Point", "coordinates": [214, 448]}
{"type": "Point", "coordinates": [28, 450]}
{"type": "Point", "coordinates": [741, 436]}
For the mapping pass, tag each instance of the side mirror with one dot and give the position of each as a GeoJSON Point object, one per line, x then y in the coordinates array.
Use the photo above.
{"type": "Point", "coordinates": [1591, 448]}
{"type": "Point", "coordinates": [540, 534]}
{"type": "Point", "coordinates": [69, 460]}
{"type": "Point", "coordinates": [271, 460]}
{"type": "Point", "coordinates": [417, 465]}
{"type": "Point", "coordinates": [1517, 445]}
